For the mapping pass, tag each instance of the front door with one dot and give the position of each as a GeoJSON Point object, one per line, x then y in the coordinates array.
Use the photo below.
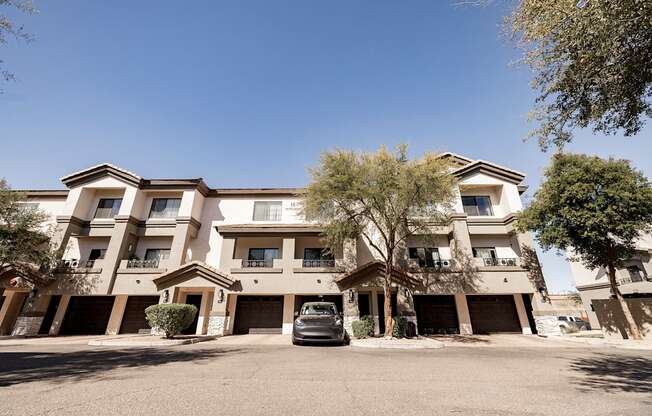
{"type": "Point", "coordinates": [193, 300]}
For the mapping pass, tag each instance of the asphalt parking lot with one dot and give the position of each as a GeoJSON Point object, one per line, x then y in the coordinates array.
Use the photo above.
{"type": "Point", "coordinates": [232, 376]}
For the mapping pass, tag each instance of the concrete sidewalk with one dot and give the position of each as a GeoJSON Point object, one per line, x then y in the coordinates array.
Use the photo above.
{"type": "Point", "coordinates": [400, 344]}
{"type": "Point", "coordinates": [147, 340]}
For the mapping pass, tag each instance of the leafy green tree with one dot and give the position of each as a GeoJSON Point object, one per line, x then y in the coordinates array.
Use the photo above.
{"type": "Point", "coordinates": [596, 210]}
{"type": "Point", "coordinates": [26, 249]}
{"type": "Point", "coordinates": [381, 197]}
{"type": "Point", "coordinates": [592, 64]}
{"type": "Point", "coordinates": [9, 29]}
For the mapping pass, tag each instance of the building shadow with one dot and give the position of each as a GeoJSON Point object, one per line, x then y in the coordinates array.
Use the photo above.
{"type": "Point", "coordinates": [461, 339]}
{"type": "Point", "coordinates": [610, 373]}
{"type": "Point", "coordinates": [25, 367]}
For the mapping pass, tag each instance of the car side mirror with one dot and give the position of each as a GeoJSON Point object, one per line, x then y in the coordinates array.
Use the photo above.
{"type": "Point", "coordinates": [296, 314]}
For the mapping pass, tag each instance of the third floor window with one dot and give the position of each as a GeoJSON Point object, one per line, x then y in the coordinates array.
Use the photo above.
{"type": "Point", "coordinates": [165, 207]}
{"type": "Point", "coordinates": [426, 256]}
{"type": "Point", "coordinates": [108, 207]}
{"type": "Point", "coordinates": [267, 210]}
{"type": "Point", "coordinates": [477, 205]}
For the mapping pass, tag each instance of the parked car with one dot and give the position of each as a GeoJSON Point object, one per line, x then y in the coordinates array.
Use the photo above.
{"type": "Point", "coordinates": [318, 322]}
{"type": "Point", "coordinates": [569, 324]}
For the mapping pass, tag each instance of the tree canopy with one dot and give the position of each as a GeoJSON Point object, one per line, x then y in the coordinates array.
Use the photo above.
{"type": "Point", "coordinates": [382, 197]}
{"type": "Point", "coordinates": [595, 209]}
{"type": "Point", "coordinates": [592, 64]}
{"type": "Point", "coordinates": [9, 28]}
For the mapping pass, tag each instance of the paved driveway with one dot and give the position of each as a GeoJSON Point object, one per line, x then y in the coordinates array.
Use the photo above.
{"type": "Point", "coordinates": [218, 378]}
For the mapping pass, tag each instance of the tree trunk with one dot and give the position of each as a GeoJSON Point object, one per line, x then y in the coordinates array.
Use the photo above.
{"type": "Point", "coordinates": [389, 320]}
{"type": "Point", "coordinates": [631, 324]}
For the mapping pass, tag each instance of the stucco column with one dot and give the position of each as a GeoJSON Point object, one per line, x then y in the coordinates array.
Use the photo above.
{"type": "Point", "coordinates": [461, 244]}
{"type": "Point", "coordinates": [204, 311]}
{"type": "Point", "coordinates": [226, 253]}
{"type": "Point", "coordinates": [61, 313]}
{"type": "Point", "coordinates": [463, 315]}
{"type": "Point", "coordinates": [288, 309]}
{"type": "Point", "coordinates": [30, 318]}
{"type": "Point", "coordinates": [10, 310]}
{"type": "Point", "coordinates": [217, 321]}
{"type": "Point", "coordinates": [117, 312]}
{"type": "Point", "coordinates": [288, 253]}
{"type": "Point", "coordinates": [231, 303]}
{"type": "Point", "coordinates": [405, 307]}
{"type": "Point", "coordinates": [374, 310]}
{"type": "Point", "coordinates": [180, 241]}
{"type": "Point", "coordinates": [351, 310]}
{"type": "Point", "coordinates": [116, 250]}
{"type": "Point", "coordinates": [522, 314]}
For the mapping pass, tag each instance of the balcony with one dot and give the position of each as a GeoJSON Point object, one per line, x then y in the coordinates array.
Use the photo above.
{"type": "Point", "coordinates": [437, 265]}
{"type": "Point", "coordinates": [256, 266]}
{"type": "Point", "coordinates": [322, 263]}
{"type": "Point", "coordinates": [498, 262]}
{"type": "Point", "coordinates": [137, 266]}
{"type": "Point", "coordinates": [79, 266]}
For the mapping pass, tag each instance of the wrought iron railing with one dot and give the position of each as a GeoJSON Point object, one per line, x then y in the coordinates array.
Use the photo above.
{"type": "Point", "coordinates": [435, 264]}
{"type": "Point", "coordinates": [76, 264]}
{"type": "Point", "coordinates": [257, 263]}
{"type": "Point", "coordinates": [505, 261]}
{"type": "Point", "coordinates": [319, 263]}
{"type": "Point", "coordinates": [143, 264]}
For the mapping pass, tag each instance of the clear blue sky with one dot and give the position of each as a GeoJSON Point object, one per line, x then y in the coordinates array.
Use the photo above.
{"type": "Point", "coordinates": [247, 93]}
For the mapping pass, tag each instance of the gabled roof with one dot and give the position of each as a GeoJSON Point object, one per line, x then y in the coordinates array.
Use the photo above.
{"type": "Point", "coordinates": [98, 171]}
{"type": "Point", "coordinates": [457, 158]}
{"type": "Point", "coordinates": [491, 169]}
{"type": "Point", "coordinates": [192, 270]}
{"type": "Point", "coordinates": [374, 269]}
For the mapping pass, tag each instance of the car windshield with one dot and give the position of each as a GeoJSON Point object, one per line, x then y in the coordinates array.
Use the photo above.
{"type": "Point", "coordinates": [318, 309]}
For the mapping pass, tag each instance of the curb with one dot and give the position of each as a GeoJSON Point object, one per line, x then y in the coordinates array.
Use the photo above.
{"type": "Point", "coordinates": [156, 343]}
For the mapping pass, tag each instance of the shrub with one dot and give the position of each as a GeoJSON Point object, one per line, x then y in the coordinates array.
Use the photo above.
{"type": "Point", "coordinates": [171, 318]}
{"type": "Point", "coordinates": [364, 327]}
{"type": "Point", "coordinates": [400, 327]}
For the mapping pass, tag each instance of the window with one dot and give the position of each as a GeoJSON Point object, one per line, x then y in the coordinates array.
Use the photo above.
{"type": "Point", "coordinates": [317, 257]}
{"type": "Point", "coordinates": [562, 318]}
{"type": "Point", "coordinates": [97, 254]}
{"type": "Point", "coordinates": [318, 309]}
{"type": "Point", "coordinates": [636, 274]}
{"type": "Point", "coordinates": [426, 256]}
{"type": "Point", "coordinates": [108, 207]}
{"type": "Point", "coordinates": [261, 257]}
{"type": "Point", "coordinates": [157, 254]}
{"type": "Point", "coordinates": [267, 211]}
{"type": "Point", "coordinates": [477, 205]}
{"type": "Point", "coordinates": [484, 252]}
{"type": "Point", "coordinates": [28, 206]}
{"type": "Point", "coordinates": [165, 207]}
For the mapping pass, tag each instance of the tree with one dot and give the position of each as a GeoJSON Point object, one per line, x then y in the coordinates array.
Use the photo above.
{"type": "Point", "coordinates": [9, 28]}
{"type": "Point", "coordinates": [591, 60]}
{"type": "Point", "coordinates": [26, 248]}
{"type": "Point", "coordinates": [381, 197]}
{"type": "Point", "coordinates": [596, 210]}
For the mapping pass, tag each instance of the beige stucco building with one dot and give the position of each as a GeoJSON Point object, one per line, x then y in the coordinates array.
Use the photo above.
{"type": "Point", "coordinates": [248, 259]}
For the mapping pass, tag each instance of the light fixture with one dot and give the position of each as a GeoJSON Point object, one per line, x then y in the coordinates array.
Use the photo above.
{"type": "Point", "coordinates": [166, 296]}
{"type": "Point", "coordinates": [544, 294]}
{"type": "Point", "coordinates": [351, 296]}
{"type": "Point", "coordinates": [505, 280]}
{"type": "Point", "coordinates": [220, 296]}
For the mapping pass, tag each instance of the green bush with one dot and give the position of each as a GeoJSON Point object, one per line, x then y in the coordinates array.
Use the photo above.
{"type": "Point", "coordinates": [171, 318]}
{"type": "Point", "coordinates": [364, 327]}
{"type": "Point", "coordinates": [400, 327]}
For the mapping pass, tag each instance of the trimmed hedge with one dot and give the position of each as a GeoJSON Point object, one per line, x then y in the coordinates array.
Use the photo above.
{"type": "Point", "coordinates": [364, 327]}
{"type": "Point", "coordinates": [171, 318]}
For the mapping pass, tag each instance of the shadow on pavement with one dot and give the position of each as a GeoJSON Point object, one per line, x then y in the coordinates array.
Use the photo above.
{"type": "Point", "coordinates": [614, 373]}
{"type": "Point", "coordinates": [462, 339]}
{"type": "Point", "coordinates": [25, 367]}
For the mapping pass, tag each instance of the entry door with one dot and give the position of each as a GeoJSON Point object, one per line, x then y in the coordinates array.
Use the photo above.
{"type": "Point", "coordinates": [193, 300]}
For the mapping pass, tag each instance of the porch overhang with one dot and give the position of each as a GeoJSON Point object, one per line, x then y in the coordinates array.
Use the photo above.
{"type": "Point", "coordinates": [193, 270]}
{"type": "Point", "coordinates": [255, 230]}
{"type": "Point", "coordinates": [373, 270]}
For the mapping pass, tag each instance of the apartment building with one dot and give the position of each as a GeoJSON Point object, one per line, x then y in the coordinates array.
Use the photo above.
{"type": "Point", "coordinates": [248, 259]}
{"type": "Point", "coordinates": [634, 280]}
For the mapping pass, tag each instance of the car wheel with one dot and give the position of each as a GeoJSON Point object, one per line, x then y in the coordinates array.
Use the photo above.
{"type": "Point", "coordinates": [563, 330]}
{"type": "Point", "coordinates": [295, 342]}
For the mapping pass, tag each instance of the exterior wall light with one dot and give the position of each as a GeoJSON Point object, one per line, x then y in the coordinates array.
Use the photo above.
{"type": "Point", "coordinates": [544, 294]}
{"type": "Point", "coordinates": [166, 296]}
{"type": "Point", "coordinates": [220, 296]}
{"type": "Point", "coordinates": [351, 296]}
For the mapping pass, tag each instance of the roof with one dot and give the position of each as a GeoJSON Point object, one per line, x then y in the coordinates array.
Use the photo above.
{"type": "Point", "coordinates": [372, 270]}
{"type": "Point", "coordinates": [491, 169]}
{"type": "Point", "coordinates": [191, 270]}
{"type": "Point", "coordinates": [103, 169]}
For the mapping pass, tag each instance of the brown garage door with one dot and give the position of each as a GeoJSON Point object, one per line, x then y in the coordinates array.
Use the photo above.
{"type": "Point", "coordinates": [87, 315]}
{"type": "Point", "coordinates": [259, 314]}
{"type": "Point", "coordinates": [436, 314]}
{"type": "Point", "coordinates": [134, 318]}
{"type": "Point", "coordinates": [493, 314]}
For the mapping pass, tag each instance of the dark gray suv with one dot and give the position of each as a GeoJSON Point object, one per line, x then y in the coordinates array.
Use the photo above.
{"type": "Point", "coordinates": [318, 322]}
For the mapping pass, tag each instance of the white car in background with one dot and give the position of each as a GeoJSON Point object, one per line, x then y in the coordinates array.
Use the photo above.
{"type": "Point", "coordinates": [569, 324]}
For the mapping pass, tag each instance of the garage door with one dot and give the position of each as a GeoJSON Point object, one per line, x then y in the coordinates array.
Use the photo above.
{"type": "Point", "coordinates": [258, 314]}
{"type": "Point", "coordinates": [87, 315]}
{"type": "Point", "coordinates": [134, 319]}
{"type": "Point", "coordinates": [436, 314]}
{"type": "Point", "coordinates": [493, 314]}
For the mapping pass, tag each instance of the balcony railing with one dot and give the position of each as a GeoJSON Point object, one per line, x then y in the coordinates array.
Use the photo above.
{"type": "Point", "coordinates": [319, 263]}
{"type": "Point", "coordinates": [495, 262]}
{"type": "Point", "coordinates": [257, 263]}
{"type": "Point", "coordinates": [76, 264]}
{"type": "Point", "coordinates": [143, 264]}
{"type": "Point", "coordinates": [435, 264]}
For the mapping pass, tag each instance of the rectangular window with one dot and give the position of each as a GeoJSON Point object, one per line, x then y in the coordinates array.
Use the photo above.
{"type": "Point", "coordinates": [261, 257]}
{"type": "Point", "coordinates": [97, 254]}
{"type": "Point", "coordinates": [108, 207]}
{"type": "Point", "coordinates": [636, 274]}
{"type": "Point", "coordinates": [426, 256]}
{"type": "Point", "coordinates": [487, 254]}
{"type": "Point", "coordinates": [165, 207]}
{"type": "Point", "coordinates": [157, 254]}
{"type": "Point", "coordinates": [267, 211]}
{"type": "Point", "coordinates": [317, 257]}
{"type": "Point", "coordinates": [477, 205]}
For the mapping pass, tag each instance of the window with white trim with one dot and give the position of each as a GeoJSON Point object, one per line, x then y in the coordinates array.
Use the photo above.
{"type": "Point", "coordinates": [267, 210]}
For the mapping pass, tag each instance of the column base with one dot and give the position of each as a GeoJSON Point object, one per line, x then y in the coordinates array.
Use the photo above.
{"type": "Point", "coordinates": [27, 325]}
{"type": "Point", "coordinates": [216, 325]}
